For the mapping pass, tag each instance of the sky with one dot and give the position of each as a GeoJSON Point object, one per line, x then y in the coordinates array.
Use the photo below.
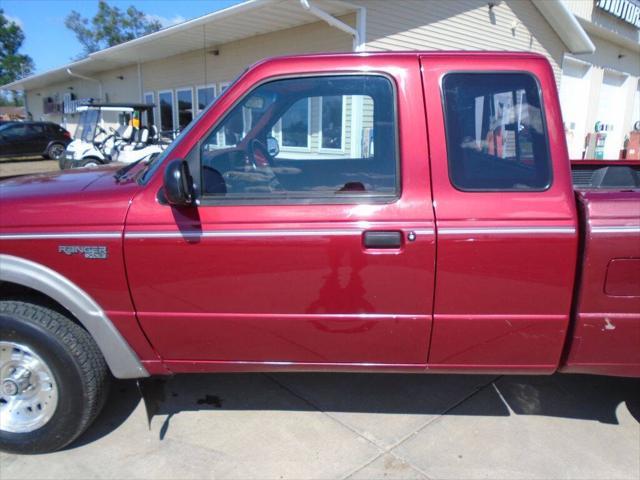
{"type": "Point", "coordinates": [50, 44]}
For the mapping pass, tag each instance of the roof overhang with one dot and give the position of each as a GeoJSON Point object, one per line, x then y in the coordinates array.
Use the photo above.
{"type": "Point", "coordinates": [244, 20]}
{"type": "Point", "coordinates": [599, 31]}
{"type": "Point", "coordinates": [565, 25]}
{"type": "Point", "coordinates": [248, 19]}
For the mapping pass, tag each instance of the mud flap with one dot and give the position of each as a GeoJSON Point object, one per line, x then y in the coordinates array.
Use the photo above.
{"type": "Point", "coordinates": [152, 391]}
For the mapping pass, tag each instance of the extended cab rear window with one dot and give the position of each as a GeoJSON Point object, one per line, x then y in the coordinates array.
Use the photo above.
{"type": "Point", "coordinates": [495, 132]}
{"type": "Point", "coordinates": [309, 139]}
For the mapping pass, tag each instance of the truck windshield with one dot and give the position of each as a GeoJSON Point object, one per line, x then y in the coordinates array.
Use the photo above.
{"type": "Point", "coordinates": [87, 125]}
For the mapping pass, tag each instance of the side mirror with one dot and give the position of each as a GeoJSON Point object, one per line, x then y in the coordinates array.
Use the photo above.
{"type": "Point", "coordinates": [178, 184]}
{"type": "Point", "coordinates": [273, 149]}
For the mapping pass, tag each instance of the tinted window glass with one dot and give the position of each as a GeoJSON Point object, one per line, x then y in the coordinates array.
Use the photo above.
{"type": "Point", "coordinates": [36, 129]}
{"type": "Point", "coordinates": [205, 97]}
{"type": "Point", "coordinates": [295, 125]}
{"type": "Point", "coordinates": [17, 131]}
{"type": "Point", "coordinates": [185, 107]}
{"type": "Point", "coordinates": [166, 111]}
{"type": "Point", "coordinates": [332, 108]}
{"type": "Point", "coordinates": [149, 114]}
{"type": "Point", "coordinates": [305, 138]}
{"type": "Point", "coordinates": [496, 138]}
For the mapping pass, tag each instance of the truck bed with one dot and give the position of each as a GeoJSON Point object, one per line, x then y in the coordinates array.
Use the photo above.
{"type": "Point", "coordinates": [606, 330]}
{"type": "Point", "coordinates": [599, 174]}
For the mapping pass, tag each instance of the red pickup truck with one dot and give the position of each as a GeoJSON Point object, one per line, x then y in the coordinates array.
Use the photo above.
{"type": "Point", "coordinates": [404, 212]}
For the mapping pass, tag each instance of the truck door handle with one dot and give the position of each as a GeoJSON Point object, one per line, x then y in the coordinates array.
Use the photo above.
{"type": "Point", "coordinates": [382, 239]}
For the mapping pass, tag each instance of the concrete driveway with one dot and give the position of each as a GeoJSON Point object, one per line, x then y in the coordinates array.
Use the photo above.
{"type": "Point", "coordinates": [357, 426]}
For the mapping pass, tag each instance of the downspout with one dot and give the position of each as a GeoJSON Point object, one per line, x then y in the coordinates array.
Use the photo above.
{"type": "Point", "coordinates": [77, 75]}
{"type": "Point", "coordinates": [140, 87]}
{"type": "Point", "coordinates": [564, 22]}
{"type": "Point", "coordinates": [358, 33]}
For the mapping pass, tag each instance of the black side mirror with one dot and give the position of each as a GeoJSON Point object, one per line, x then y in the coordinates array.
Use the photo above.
{"type": "Point", "coordinates": [178, 184]}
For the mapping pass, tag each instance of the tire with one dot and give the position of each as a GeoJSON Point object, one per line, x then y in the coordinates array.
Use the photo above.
{"type": "Point", "coordinates": [55, 151]}
{"type": "Point", "coordinates": [63, 163]}
{"type": "Point", "coordinates": [68, 380]}
{"type": "Point", "coordinates": [89, 163]}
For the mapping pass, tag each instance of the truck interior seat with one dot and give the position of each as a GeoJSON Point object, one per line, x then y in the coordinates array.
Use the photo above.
{"type": "Point", "coordinates": [213, 182]}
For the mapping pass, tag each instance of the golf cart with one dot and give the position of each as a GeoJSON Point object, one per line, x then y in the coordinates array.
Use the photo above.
{"type": "Point", "coordinates": [96, 143]}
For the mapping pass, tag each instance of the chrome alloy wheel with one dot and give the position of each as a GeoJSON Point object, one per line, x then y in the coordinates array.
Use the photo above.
{"type": "Point", "coordinates": [56, 151]}
{"type": "Point", "coordinates": [28, 390]}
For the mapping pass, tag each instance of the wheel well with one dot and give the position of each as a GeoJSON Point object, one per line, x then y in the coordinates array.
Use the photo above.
{"type": "Point", "coordinates": [13, 291]}
{"type": "Point", "coordinates": [62, 294]}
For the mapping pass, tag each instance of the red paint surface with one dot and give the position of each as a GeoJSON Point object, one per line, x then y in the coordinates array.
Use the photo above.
{"type": "Point", "coordinates": [320, 298]}
{"type": "Point", "coordinates": [623, 278]}
{"type": "Point", "coordinates": [446, 303]}
{"type": "Point", "coordinates": [488, 305]}
{"type": "Point", "coordinates": [606, 336]}
{"type": "Point", "coordinates": [77, 201]}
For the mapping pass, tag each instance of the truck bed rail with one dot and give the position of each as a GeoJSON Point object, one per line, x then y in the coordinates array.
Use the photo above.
{"type": "Point", "coordinates": [605, 174]}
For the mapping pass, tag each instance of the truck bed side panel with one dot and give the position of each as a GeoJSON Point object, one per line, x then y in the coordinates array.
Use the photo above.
{"type": "Point", "coordinates": [606, 337]}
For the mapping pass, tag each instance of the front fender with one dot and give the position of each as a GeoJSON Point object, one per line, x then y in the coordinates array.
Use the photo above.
{"type": "Point", "coordinates": [122, 360]}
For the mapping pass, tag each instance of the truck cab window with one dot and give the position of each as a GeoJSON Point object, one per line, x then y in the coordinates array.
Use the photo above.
{"type": "Point", "coordinates": [305, 138]}
{"type": "Point", "coordinates": [496, 138]}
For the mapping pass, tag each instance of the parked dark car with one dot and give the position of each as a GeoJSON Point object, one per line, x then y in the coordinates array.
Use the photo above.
{"type": "Point", "coordinates": [19, 139]}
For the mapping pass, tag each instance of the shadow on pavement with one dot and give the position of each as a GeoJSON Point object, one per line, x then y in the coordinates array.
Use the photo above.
{"type": "Point", "coordinates": [584, 397]}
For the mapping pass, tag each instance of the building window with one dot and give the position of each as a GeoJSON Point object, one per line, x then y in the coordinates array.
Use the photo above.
{"type": "Point", "coordinates": [292, 166]}
{"type": "Point", "coordinates": [295, 125]}
{"type": "Point", "coordinates": [496, 138]}
{"type": "Point", "coordinates": [332, 122]}
{"type": "Point", "coordinates": [149, 100]}
{"type": "Point", "coordinates": [165, 98]}
{"type": "Point", "coordinates": [205, 95]}
{"type": "Point", "coordinates": [184, 101]}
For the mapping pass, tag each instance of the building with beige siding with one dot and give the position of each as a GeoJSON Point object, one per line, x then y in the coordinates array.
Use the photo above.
{"type": "Point", "coordinates": [592, 45]}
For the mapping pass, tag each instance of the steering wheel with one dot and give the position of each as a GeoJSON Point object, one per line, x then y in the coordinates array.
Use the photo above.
{"type": "Point", "coordinates": [259, 155]}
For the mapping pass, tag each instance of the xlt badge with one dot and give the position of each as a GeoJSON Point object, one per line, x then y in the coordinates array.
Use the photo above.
{"type": "Point", "coordinates": [92, 252]}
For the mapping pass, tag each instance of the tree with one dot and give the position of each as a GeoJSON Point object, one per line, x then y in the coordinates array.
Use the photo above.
{"type": "Point", "coordinates": [109, 27]}
{"type": "Point", "coordinates": [13, 65]}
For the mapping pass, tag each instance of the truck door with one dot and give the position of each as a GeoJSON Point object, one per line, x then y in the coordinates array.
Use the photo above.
{"type": "Point", "coordinates": [506, 219]}
{"type": "Point", "coordinates": [312, 243]}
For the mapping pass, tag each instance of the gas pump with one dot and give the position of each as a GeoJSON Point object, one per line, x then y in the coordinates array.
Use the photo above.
{"type": "Point", "coordinates": [632, 144]}
{"type": "Point", "coordinates": [595, 141]}
{"type": "Point", "coordinates": [601, 139]}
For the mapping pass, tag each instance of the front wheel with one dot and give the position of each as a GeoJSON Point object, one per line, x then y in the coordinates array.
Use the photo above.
{"type": "Point", "coordinates": [53, 379]}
